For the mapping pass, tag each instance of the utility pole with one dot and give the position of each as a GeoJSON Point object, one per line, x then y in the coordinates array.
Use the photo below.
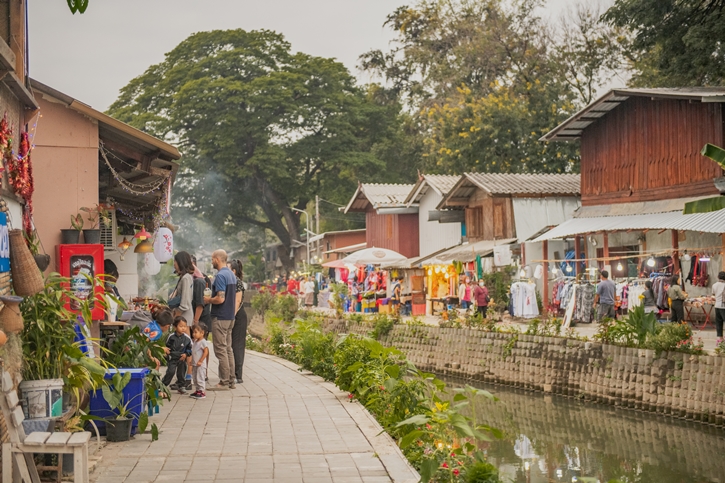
{"type": "Point", "coordinates": [317, 223]}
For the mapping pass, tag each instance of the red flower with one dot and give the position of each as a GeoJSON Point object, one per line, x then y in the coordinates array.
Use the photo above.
{"type": "Point", "coordinates": [456, 472]}
{"type": "Point", "coordinates": [428, 426]}
{"type": "Point", "coordinates": [444, 465]}
{"type": "Point", "coordinates": [453, 455]}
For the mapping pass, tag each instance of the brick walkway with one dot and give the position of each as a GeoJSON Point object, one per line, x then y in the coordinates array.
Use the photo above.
{"type": "Point", "coordinates": [279, 426]}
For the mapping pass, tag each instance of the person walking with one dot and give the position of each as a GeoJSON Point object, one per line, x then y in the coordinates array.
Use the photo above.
{"type": "Point", "coordinates": [239, 332]}
{"type": "Point", "coordinates": [718, 290]}
{"type": "Point", "coordinates": [606, 291]}
{"type": "Point", "coordinates": [184, 291]}
{"type": "Point", "coordinates": [223, 304]}
{"type": "Point", "coordinates": [480, 295]}
{"type": "Point", "coordinates": [677, 300]}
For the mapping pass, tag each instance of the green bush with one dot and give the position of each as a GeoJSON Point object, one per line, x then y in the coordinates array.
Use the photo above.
{"type": "Point", "coordinates": [285, 307]}
{"type": "Point", "coordinates": [382, 325]}
{"type": "Point", "coordinates": [314, 350]}
{"type": "Point", "coordinates": [670, 337]}
{"type": "Point", "coordinates": [633, 331]}
{"type": "Point", "coordinates": [482, 472]}
{"type": "Point", "coordinates": [262, 303]}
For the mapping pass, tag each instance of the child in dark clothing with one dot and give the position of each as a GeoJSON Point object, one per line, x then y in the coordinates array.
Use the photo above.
{"type": "Point", "coordinates": [178, 349]}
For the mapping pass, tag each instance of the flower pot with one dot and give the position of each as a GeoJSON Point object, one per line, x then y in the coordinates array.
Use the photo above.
{"type": "Point", "coordinates": [92, 237]}
{"type": "Point", "coordinates": [11, 319]}
{"type": "Point", "coordinates": [70, 236]}
{"type": "Point", "coordinates": [118, 430]}
{"type": "Point", "coordinates": [42, 261]}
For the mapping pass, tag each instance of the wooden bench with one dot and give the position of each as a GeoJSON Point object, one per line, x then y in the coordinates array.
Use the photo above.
{"type": "Point", "coordinates": [21, 448]}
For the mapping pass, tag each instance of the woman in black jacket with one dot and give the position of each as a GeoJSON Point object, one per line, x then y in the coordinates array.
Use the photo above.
{"type": "Point", "coordinates": [239, 331]}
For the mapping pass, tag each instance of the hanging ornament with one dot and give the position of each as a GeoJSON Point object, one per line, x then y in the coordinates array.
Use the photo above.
{"type": "Point", "coordinates": [164, 245]}
{"type": "Point", "coordinates": [150, 264]}
{"type": "Point", "coordinates": [538, 271]}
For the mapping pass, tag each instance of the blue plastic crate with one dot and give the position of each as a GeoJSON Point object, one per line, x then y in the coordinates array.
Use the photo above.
{"type": "Point", "coordinates": [135, 391]}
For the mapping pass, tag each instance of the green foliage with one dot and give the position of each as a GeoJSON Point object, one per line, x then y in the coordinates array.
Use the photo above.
{"type": "Point", "coordinates": [673, 43]}
{"type": "Point", "coordinates": [116, 399]}
{"type": "Point", "coordinates": [314, 350]}
{"type": "Point", "coordinates": [498, 284]}
{"type": "Point", "coordinates": [482, 472]}
{"type": "Point", "coordinates": [339, 292]}
{"type": "Point", "coordinates": [547, 328]}
{"type": "Point", "coordinates": [633, 331]}
{"type": "Point", "coordinates": [670, 338]}
{"type": "Point", "coordinates": [382, 325]}
{"type": "Point", "coordinates": [262, 302]}
{"type": "Point", "coordinates": [263, 129]}
{"type": "Point", "coordinates": [285, 307]}
{"type": "Point", "coordinates": [717, 203]}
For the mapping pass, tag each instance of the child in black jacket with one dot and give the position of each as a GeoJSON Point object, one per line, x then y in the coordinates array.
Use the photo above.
{"type": "Point", "coordinates": [178, 350]}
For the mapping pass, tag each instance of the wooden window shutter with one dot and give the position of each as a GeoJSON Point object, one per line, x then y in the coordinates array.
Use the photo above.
{"type": "Point", "coordinates": [498, 221]}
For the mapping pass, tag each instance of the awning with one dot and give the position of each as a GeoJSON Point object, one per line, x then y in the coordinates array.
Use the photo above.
{"type": "Point", "coordinates": [468, 251]}
{"type": "Point", "coordinates": [713, 222]}
{"type": "Point", "coordinates": [415, 262]}
{"type": "Point", "coordinates": [348, 249]}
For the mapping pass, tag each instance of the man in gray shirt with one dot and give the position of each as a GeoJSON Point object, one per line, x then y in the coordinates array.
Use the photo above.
{"type": "Point", "coordinates": [606, 291]}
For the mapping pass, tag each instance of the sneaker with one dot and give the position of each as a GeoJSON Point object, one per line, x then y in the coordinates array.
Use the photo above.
{"type": "Point", "coordinates": [195, 395]}
{"type": "Point", "coordinates": [174, 387]}
{"type": "Point", "coordinates": [201, 395]}
{"type": "Point", "coordinates": [181, 390]}
{"type": "Point", "coordinates": [232, 385]}
{"type": "Point", "coordinates": [189, 385]}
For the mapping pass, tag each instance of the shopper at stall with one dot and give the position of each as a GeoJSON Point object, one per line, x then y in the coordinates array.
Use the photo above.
{"type": "Point", "coordinates": [677, 300]}
{"type": "Point", "coordinates": [649, 301]}
{"type": "Point", "coordinates": [606, 291]}
{"type": "Point", "coordinates": [222, 317]}
{"type": "Point", "coordinates": [239, 332]}
{"type": "Point", "coordinates": [180, 299]}
{"type": "Point", "coordinates": [480, 295]}
{"type": "Point", "coordinates": [397, 294]}
{"type": "Point", "coordinates": [464, 293]}
{"type": "Point", "coordinates": [718, 290]}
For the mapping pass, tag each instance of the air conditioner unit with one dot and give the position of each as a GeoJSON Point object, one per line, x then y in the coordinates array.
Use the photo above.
{"type": "Point", "coordinates": [108, 233]}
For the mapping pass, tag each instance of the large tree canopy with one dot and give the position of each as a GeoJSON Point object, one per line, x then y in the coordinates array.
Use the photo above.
{"type": "Point", "coordinates": [486, 79]}
{"type": "Point", "coordinates": [674, 42]}
{"type": "Point", "coordinates": [262, 129]}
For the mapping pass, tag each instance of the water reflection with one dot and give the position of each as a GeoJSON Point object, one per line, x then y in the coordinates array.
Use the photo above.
{"type": "Point", "coordinates": [553, 439]}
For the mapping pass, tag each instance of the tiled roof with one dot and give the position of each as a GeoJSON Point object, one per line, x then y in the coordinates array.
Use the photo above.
{"type": "Point", "coordinates": [379, 195]}
{"type": "Point", "coordinates": [534, 184]}
{"type": "Point", "coordinates": [442, 183]}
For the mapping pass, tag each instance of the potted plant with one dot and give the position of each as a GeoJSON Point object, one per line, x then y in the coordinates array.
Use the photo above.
{"type": "Point", "coordinates": [42, 260]}
{"type": "Point", "coordinates": [72, 235]}
{"type": "Point", "coordinates": [97, 214]}
{"type": "Point", "coordinates": [53, 362]}
{"type": "Point", "coordinates": [118, 426]}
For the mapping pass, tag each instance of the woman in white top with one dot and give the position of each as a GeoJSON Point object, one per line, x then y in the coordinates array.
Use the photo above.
{"type": "Point", "coordinates": [184, 288]}
{"type": "Point", "coordinates": [309, 288]}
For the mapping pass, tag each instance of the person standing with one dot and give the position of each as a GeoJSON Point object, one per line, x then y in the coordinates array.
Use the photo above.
{"type": "Point", "coordinates": [239, 332]}
{"type": "Point", "coordinates": [178, 350]}
{"type": "Point", "coordinates": [718, 290]}
{"type": "Point", "coordinates": [606, 291]}
{"type": "Point", "coordinates": [649, 301]}
{"type": "Point", "coordinates": [677, 300]}
{"type": "Point", "coordinates": [464, 293]}
{"type": "Point", "coordinates": [202, 311]}
{"type": "Point", "coordinates": [184, 291]}
{"type": "Point", "coordinates": [397, 294]}
{"type": "Point", "coordinates": [309, 292]}
{"type": "Point", "coordinates": [223, 304]}
{"type": "Point", "coordinates": [199, 360]}
{"type": "Point", "coordinates": [480, 295]}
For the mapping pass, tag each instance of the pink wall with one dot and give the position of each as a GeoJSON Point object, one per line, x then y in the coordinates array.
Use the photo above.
{"type": "Point", "coordinates": [65, 167]}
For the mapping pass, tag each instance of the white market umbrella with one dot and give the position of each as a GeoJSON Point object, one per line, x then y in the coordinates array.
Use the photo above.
{"type": "Point", "coordinates": [374, 256]}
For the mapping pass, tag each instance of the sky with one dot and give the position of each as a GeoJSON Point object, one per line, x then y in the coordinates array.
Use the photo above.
{"type": "Point", "coordinates": [92, 56]}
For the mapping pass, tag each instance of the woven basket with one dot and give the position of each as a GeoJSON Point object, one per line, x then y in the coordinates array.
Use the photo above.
{"type": "Point", "coordinates": [27, 279]}
{"type": "Point", "coordinates": [11, 320]}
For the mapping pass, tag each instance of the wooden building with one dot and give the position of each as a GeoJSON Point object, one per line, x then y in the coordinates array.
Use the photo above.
{"type": "Point", "coordinates": [640, 164]}
{"type": "Point", "coordinates": [336, 245]}
{"type": "Point", "coordinates": [390, 223]}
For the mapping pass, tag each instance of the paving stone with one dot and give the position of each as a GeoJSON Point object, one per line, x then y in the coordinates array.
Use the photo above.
{"type": "Point", "coordinates": [280, 426]}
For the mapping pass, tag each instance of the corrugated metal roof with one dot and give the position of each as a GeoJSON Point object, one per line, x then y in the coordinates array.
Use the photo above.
{"type": "Point", "coordinates": [379, 195]}
{"type": "Point", "coordinates": [442, 183]}
{"type": "Point", "coordinates": [713, 222]}
{"type": "Point", "coordinates": [468, 251]}
{"type": "Point", "coordinates": [535, 184]}
{"type": "Point", "coordinates": [573, 127]}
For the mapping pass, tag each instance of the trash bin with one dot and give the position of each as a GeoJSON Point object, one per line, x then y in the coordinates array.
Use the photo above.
{"type": "Point", "coordinates": [134, 393]}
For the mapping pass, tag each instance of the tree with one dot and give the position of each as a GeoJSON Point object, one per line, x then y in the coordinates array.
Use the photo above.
{"type": "Point", "coordinates": [674, 43]}
{"type": "Point", "coordinates": [483, 82]}
{"type": "Point", "coordinates": [261, 129]}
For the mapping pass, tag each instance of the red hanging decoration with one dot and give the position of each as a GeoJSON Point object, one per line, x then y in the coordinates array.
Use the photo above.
{"type": "Point", "coordinates": [20, 176]}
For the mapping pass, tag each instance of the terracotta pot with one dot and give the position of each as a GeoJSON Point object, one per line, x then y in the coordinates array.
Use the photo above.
{"type": "Point", "coordinates": [11, 320]}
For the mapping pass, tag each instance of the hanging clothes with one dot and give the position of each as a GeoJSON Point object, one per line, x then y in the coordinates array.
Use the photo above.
{"type": "Point", "coordinates": [523, 301]}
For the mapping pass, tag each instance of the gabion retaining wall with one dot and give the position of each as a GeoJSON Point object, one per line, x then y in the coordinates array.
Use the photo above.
{"type": "Point", "coordinates": [673, 383]}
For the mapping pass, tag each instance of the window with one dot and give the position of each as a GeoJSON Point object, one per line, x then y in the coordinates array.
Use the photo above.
{"type": "Point", "coordinates": [474, 222]}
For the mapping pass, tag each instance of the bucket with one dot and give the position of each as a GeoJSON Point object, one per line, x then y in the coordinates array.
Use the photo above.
{"type": "Point", "coordinates": [42, 399]}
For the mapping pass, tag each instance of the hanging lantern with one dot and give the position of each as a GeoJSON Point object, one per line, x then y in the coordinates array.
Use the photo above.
{"type": "Point", "coordinates": [651, 262]}
{"type": "Point", "coordinates": [150, 264]}
{"type": "Point", "coordinates": [620, 267]}
{"type": "Point", "coordinates": [123, 247]}
{"type": "Point", "coordinates": [438, 269]}
{"type": "Point", "coordinates": [164, 245]}
{"type": "Point", "coordinates": [142, 234]}
{"type": "Point", "coordinates": [538, 271]}
{"type": "Point", "coordinates": [430, 271]}
{"type": "Point", "coordinates": [447, 275]}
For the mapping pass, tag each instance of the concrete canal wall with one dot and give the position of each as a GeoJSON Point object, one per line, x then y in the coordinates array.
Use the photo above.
{"type": "Point", "coordinates": [673, 383]}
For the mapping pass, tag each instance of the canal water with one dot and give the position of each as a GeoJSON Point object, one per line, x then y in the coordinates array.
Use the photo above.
{"type": "Point", "coordinates": [555, 439]}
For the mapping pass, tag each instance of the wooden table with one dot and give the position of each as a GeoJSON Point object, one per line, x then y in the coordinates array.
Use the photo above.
{"type": "Point", "coordinates": [706, 309]}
